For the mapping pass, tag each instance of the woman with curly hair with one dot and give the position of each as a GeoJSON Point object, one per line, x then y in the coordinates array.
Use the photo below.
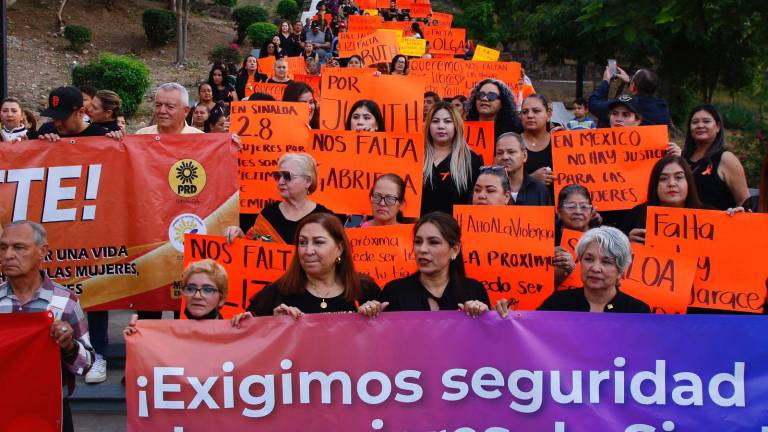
{"type": "Point", "coordinates": [492, 100]}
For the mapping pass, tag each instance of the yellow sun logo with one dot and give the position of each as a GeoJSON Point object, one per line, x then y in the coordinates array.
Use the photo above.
{"type": "Point", "coordinates": [187, 178]}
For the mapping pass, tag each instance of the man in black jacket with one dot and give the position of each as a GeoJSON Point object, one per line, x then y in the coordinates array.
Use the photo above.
{"type": "Point", "coordinates": [642, 87]}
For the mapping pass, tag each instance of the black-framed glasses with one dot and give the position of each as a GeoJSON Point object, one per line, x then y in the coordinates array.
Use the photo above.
{"type": "Point", "coordinates": [574, 206]}
{"type": "Point", "coordinates": [377, 198]}
{"type": "Point", "coordinates": [489, 96]}
{"type": "Point", "coordinates": [190, 290]}
{"type": "Point", "coordinates": [285, 175]}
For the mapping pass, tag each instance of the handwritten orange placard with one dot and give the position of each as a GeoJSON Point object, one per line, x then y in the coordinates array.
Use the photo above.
{"type": "Point", "coordinates": [349, 163]}
{"type": "Point", "coordinates": [418, 10]}
{"type": "Point", "coordinates": [267, 65]}
{"type": "Point", "coordinates": [364, 23]}
{"type": "Point", "coordinates": [251, 265]}
{"type": "Point", "coordinates": [480, 137]}
{"type": "Point", "coordinates": [509, 249]}
{"type": "Point", "coordinates": [267, 130]}
{"type": "Point", "coordinates": [453, 77]}
{"type": "Point", "coordinates": [568, 241]}
{"type": "Point", "coordinates": [442, 19]}
{"type": "Point", "coordinates": [660, 279]}
{"type": "Point", "coordinates": [347, 42]}
{"type": "Point", "coordinates": [400, 98]}
{"type": "Point", "coordinates": [614, 164]}
{"type": "Point", "coordinates": [446, 40]}
{"type": "Point", "coordinates": [508, 72]}
{"type": "Point", "coordinates": [732, 272]}
{"type": "Point", "coordinates": [384, 253]}
{"type": "Point", "coordinates": [296, 66]}
{"type": "Point", "coordinates": [383, 4]}
{"type": "Point", "coordinates": [379, 47]}
{"type": "Point", "coordinates": [312, 80]}
{"type": "Point", "coordinates": [275, 90]}
{"type": "Point", "coordinates": [365, 4]}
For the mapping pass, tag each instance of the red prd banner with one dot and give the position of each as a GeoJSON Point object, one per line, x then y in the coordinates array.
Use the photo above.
{"type": "Point", "coordinates": [30, 376]}
{"type": "Point", "coordinates": [116, 211]}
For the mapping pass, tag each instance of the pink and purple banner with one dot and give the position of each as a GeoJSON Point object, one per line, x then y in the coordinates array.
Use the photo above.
{"type": "Point", "coordinates": [442, 371]}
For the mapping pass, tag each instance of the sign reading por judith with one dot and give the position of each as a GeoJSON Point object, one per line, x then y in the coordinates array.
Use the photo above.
{"type": "Point", "coordinates": [535, 371]}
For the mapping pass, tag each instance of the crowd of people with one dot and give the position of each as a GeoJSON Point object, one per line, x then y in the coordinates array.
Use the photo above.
{"type": "Point", "coordinates": [702, 174]}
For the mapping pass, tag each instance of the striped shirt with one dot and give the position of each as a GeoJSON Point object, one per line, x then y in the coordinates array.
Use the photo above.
{"type": "Point", "coordinates": [65, 307]}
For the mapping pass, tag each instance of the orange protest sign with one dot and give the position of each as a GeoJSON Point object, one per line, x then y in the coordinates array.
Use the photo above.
{"type": "Point", "coordinates": [419, 10]}
{"type": "Point", "coordinates": [251, 265]}
{"type": "Point", "coordinates": [404, 26]}
{"type": "Point", "coordinates": [384, 253]}
{"type": "Point", "coordinates": [364, 23]}
{"type": "Point", "coordinates": [267, 130]}
{"type": "Point", "coordinates": [486, 54]}
{"type": "Point", "coordinates": [568, 241]}
{"type": "Point", "coordinates": [296, 66]}
{"type": "Point", "coordinates": [349, 162]}
{"type": "Point", "coordinates": [442, 19]}
{"type": "Point", "coordinates": [383, 4]}
{"type": "Point", "coordinates": [275, 90]}
{"type": "Point", "coordinates": [312, 80]}
{"type": "Point", "coordinates": [400, 98]}
{"type": "Point", "coordinates": [380, 47]}
{"type": "Point", "coordinates": [508, 72]}
{"type": "Point", "coordinates": [725, 280]}
{"type": "Point", "coordinates": [267, 65]}
{"type": "Point", "coordinates": [444, 77]}
{"type": "Point", "coordinates": [364, 4]}
{"type": "Point", "coordinates": [347, 42]}
{"type": "Point", "coordinates": [509, 249]}
{"type": "Point", "coordinates": [446, 40]}
{"type": "Point", "coordinates": [480, 137]}
{"type": "Point", "coordinates": [614, 164]}
{"type": "Point", "coordinates": [403, 4]}
{"type": "Point", "coordinates": [660, 279]}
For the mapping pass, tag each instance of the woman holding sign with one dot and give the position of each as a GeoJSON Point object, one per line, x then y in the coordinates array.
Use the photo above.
{"type": "Point", "coordinates": [399, 65]}
{"type": "Point", "coordinates": [450, 167]}
{"type": "Point", "coordinates": [321, 277]}
{"type": "Point", "coordinates": [440, 283]}
{"type": "Point", "coordinates": [248, 76]}
{"type": "Point", "coordinates": [604, 253]}
{"type": "Point", "coordinates": [718, 173]}
{"type": "Point", "coordinates": [492, 100]}
{"type": "Point", "coordinates": [296, 179]}
{"type": "Point", "coordinates": [671, 185]}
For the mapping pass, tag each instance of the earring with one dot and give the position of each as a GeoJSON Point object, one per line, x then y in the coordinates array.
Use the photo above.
{"type": "Point", "coordinates": [338, 259]}
{"type": "Point", "coordinates": [453, 258]}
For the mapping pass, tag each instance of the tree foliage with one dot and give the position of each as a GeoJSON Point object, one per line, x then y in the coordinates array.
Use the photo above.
{"type": "Point", "coordinates": [288, 9]}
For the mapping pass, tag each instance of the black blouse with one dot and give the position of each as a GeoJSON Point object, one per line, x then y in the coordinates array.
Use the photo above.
{"type": "Point", "coordinates": [442, 194]}
{"type": "Point", "coordinates": [266, 300]}
{"type": "Point", "coordinates": [285, 227]}
{"type": "Point", "coordinates": [575, 301]}
{"type": "Point", "coordinates": [712, 189]}
{"type": "Point", "coordinates": [409, 294]}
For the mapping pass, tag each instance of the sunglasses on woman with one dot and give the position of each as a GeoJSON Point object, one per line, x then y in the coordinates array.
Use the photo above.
{"type": "Point", "coordinates": [285, 175]}
{"type": "Point", "coordinates": [489, 96]}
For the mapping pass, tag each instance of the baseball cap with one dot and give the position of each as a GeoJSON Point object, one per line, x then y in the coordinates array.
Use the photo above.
{"type": "Point", "coordinates": [315, 24]}
{"type": "Point", "coordinates": [62, 102]}
{"type": "Point", "coordinates": [631, 103]}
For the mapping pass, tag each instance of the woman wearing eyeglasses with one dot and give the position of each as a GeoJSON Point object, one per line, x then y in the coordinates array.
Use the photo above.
{"type": "Point", "coordinates": [296, 179]}
{"type": "Point", "coordinates": [204, 285]}
{"type": "Point", "coordinates": [574, 211]}
{"type": "Point", "coordinates": [450, 167]}
{"type": "Point", "coordinates": [387, 201]}
{"type": "Point", "coordinates": [492, 100]}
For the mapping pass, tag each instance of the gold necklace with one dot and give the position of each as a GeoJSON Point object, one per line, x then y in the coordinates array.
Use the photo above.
{"type": "Point", "coordinates": [323, 304]}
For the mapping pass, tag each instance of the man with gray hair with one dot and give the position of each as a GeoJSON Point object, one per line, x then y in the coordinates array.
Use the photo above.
{"type": "Point", "coordinates": [171, 108]}
{"type": "Point", "coordinates": [23, 246]}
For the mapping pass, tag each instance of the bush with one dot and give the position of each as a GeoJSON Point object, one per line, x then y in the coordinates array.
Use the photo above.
{"type": "Point", "coordinates": [261, 32]}
{"type": "Point", "coordinates": [287, 9]}
{"type": "Point", "coordinates": [159, 26]}
{"type": "Point", "coordinates": [125, 75]}
{"type": "Point", "coordinates": [77, 36]}
{"type": "Point", "coordinates": [738, 117]}
{"type": "Point", "coordinates": [247, 15]}
{"type": "Point", "coordinates": [227, 3]}
{"type": "Point", "coordinates": [228, 56]}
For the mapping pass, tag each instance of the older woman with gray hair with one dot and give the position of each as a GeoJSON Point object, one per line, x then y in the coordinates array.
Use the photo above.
{"type": "Point", "coordinates": [604, 253]}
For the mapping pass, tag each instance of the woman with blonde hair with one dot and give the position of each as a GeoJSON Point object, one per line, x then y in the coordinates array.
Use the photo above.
{"type": "Point", "coordinates": [450, 167]}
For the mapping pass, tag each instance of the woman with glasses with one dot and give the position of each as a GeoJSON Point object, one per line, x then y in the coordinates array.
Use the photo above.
{"type": "Point", "coordinates": [511, 154]}
{"type": "Point", "coordinates": [320, 279]}
{"type": "Point", "coordinates": [574, 210]}
{"type": "Point", "coordinates": [387, 201]}
{"type": "Point", "coordinates": [204, 285]}
{"type": "Point", "coordinates": [298, 91]}
{"type": "Point", "coordinates": [450, 167]}
{"type": "Point", "coordinates": [296, 179]}
{"type": "Point", "coordinates": [492, 100]}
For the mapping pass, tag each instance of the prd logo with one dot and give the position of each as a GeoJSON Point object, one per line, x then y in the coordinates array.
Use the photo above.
{"type": "Point", "coordinates": [187, 178]}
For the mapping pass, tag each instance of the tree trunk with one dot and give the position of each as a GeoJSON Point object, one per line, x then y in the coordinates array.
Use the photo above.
{"type": "Point", "coordinates": [59, 18]}
{"type": "Point", "coordinates": [182, 23]}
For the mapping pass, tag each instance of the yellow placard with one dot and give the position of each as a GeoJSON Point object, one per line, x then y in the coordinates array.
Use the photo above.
{"type": "Point", "coordinates": [486, 54]}
{"type": "Point", "coordinates": [412, 47]}
{"type": "Point", "coordinates": [371, 12]}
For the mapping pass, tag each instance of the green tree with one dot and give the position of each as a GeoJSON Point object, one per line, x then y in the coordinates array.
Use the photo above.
{"type": "Point", "coordinates": [287, 10]}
